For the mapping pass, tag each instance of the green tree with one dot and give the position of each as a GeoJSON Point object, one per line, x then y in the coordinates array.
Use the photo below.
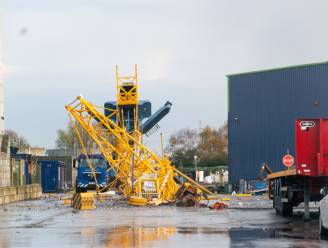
{"type": "Point", "coordinates": [212, 147]}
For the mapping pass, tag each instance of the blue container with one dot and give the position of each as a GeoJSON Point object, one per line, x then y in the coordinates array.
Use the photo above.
{"type": "Point", "coordinates": [258, 185]}
{"type": "Point", "coordinates": [52, 175]}
{"type": "Point", "coordinates": [28, 176]}
{"type": "Point", "coordinates": [263, 107]}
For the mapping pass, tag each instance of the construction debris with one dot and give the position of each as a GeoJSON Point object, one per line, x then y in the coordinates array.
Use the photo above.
{"type": "Point", "coordinates": [142, 176]}
{"type": "Point", "coordinates": [67, 201]}
{"type": "Point", "coordinates": [218, 206]}
{"type": "Point", "coordinates": [83, 201]}
{"type": "Point", "coordinates": [187, 196]}
{"type": "Point", "coordinates": [137, 201]}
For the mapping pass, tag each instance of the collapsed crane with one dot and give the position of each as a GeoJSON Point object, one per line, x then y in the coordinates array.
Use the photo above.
{"type": "Point", "coordinates": [142, 176]}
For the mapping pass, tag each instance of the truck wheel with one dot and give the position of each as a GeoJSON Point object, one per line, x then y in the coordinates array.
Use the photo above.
{"type": "Point", "coordinates": [277, 197]}
{"type": "Point", "coordinates": [276, 204]}
{"type": "Point", "coordinates": [323, 231]}
{"type": "Point", "coordinates": [284, 209]}
{"type": "Point", "coordinates": [287, 209]}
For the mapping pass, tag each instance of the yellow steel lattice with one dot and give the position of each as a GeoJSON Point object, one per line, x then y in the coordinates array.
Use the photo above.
{"type": "Point", "coordinates": [122, 150]}
{"type": "Point", "coordinates": [140, 174]}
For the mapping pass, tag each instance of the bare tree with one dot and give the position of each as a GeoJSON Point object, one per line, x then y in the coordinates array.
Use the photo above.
{"type": "Point", "coordinates": [67, 139]}
{"type": "Point", "coordinates": [16, 140]}
{"type": "Point", "coordinates": [185, 139]}
{"type": "Point", "coordinates": [182, 147]}
{"type": "Point", "coordinates": [210, 145]}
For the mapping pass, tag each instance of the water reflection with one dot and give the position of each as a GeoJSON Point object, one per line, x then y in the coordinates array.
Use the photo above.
{"type": "Point", "coordinates": [158, 236]}
{"type": "Point", "coordinates": [127, 236]}
{"type": "Point", "coordinates": [137, 236]}
{"type": "Point", "coordinates": [4, 241]}
{"type": "Point", "coordinates": [289, 236]}
{"type": "Point", "coordinates": [277, 235]}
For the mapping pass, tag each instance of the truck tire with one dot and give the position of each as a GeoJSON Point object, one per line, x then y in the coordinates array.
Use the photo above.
{"type": "Point", "coordinates": [284, 209]}
{"type": "Point", "coordinates": [323, 231]}
{"type": "Point", "coordinates": [287, 209]}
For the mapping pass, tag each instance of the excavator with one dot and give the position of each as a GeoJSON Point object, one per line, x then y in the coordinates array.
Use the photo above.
{"type": "Point", "coordinates": [264, 168]}
{"type": "Point", "coordinates": [143, 177]}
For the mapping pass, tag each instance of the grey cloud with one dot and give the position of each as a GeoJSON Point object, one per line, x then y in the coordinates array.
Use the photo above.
{"type": "Point", "coordinates": [184, 50]}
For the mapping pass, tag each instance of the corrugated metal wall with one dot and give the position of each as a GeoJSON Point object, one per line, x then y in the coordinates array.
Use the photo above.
{"type": "Point", "coordinates": [263, 107]}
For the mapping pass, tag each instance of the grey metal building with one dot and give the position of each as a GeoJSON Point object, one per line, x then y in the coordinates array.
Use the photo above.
{"type": "Point", "coordinates": [263, 107]}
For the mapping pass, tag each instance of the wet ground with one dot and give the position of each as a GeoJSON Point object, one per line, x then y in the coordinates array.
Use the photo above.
{"type": "Point", "coordinates": [251, 223]}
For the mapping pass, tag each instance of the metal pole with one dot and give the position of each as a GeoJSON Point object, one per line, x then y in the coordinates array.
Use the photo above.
{"type": "Point", "coordinates": [2, 117]}
{"type": "Point", "coordinates": [195, 161]}
{"type": "Point", "coordinates": [306, 199]}
{"type": "Point", "coordinates": [193, 182]}
{"type": "Point", "coordinates": [132, 174]}
{"type": "Point", "coordinates": [196, 170]}
{"type": "Point", "coordinates": [162, 149]}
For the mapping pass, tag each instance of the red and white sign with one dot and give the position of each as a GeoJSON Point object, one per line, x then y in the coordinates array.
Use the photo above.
{"type": "Point", "coordinates": [288, 160]}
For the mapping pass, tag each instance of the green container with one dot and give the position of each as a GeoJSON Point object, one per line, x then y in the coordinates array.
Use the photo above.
{"type": "Point", "coordinates": [15, 172]}
{"type": "Point", "coordinates": [22, 179]}
{"type": "Point", "coordinates": [226, 188]}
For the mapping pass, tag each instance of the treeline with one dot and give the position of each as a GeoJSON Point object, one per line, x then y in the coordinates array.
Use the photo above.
{"type": "Point", "coordinates": [208, 146]}
{"type": "Point", "coordinates": [16, 140]}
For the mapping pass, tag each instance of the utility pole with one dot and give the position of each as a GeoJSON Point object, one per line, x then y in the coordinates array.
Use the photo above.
{"type": "Point", "coordinates": [195, 161]}
{"type": "Point", "coordinates": [2, 117]}
{"type": "Point", "coordinates": [162, 148]}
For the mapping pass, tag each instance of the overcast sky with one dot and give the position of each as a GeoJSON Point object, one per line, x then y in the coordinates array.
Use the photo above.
{"type": "Point", "coordinates": [55, 50]}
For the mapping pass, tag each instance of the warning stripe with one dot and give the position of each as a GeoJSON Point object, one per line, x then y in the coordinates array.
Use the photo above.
{"type": "Point", "coordinates": [83, 201]}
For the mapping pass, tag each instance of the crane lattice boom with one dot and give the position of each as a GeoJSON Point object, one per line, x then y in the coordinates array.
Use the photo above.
{"type": "Point", "coordinates": [140, 174]}
{"type": "Point", "coordinates": [151, 176]}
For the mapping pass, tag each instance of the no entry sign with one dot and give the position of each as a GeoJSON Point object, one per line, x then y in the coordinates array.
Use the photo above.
{"type": "Point", "coordinates": [288, 160]}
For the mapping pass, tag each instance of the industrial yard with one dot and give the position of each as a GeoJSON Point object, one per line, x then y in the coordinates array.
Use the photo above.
{"type": "Point", "coordinates": [163, 124]}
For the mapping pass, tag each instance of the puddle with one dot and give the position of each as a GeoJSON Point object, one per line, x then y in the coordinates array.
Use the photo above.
{"type": "Point", "coordinates": [206, 237]}
{"type": "Point", "coordinates": [182, 237]}
{"type": "Point", "coordinates": [156, 227]}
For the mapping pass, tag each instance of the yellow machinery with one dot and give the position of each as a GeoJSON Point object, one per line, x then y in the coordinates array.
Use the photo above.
{"type": "Point", "coordinates": [143, 177]}
{"type": "Point", "coordinates": [83, 201]}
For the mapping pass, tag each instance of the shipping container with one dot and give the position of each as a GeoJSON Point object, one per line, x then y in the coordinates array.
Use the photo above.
{"type": "Point", "coordinates": [67, 161]}
{"type": "Point", "coordinates": [17, 172]}
{"type": "Point", "coordinates": [34, 172]}
{"type": "Point", "coordinates": [52, 175]}
{"type": "Point", "coordinates": [263, 107]}
{"type": "Point", "coordinates": [31, 168]}
{"type": "Point", "coordinates": [257, 185]}
{"type": "Point", "coordinates": [311, 147]}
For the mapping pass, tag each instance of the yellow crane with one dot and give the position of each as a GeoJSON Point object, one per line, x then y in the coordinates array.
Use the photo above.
{"type": "Point", "coordinates": [141, 175]}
